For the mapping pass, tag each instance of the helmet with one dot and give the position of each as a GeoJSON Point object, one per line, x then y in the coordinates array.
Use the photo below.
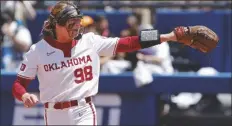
{"type": "Point", "coordinates": [65, 10]}
{"type": "Point", "coordinates": [61, 14]}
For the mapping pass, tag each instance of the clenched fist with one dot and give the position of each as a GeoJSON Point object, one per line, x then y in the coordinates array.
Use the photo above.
{"type": "Point", "coordinates": [29, 100]}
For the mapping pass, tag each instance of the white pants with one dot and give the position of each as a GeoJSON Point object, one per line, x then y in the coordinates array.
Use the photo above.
{"type": "Point", "coordinates": [76, 115]}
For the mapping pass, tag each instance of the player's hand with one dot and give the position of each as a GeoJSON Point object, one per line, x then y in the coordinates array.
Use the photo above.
{"type": "Point", "coordinates": [29, 100]}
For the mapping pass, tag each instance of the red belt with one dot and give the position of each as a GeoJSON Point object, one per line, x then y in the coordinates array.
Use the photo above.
{"type": "Point", "coordinates": [67, 104]}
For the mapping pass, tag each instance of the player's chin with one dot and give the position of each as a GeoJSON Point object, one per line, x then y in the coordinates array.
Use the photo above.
{"type": "Point", "coordinates": [71, 37]}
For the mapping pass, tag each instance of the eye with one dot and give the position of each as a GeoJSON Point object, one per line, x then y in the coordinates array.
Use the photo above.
{"type": "Point", "coordinates": [70, 26]}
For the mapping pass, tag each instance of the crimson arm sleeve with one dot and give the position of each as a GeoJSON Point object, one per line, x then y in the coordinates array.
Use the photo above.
{"type": "Point", "coordinates": [128, 44]}
{"type": "Point", "coordinates": [19, 87]}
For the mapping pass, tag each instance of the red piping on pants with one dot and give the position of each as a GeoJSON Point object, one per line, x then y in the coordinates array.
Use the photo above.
{"type": "Point", "coordinates": [94, 117]}
{"type": "Point", "coordinates": [46, 120]}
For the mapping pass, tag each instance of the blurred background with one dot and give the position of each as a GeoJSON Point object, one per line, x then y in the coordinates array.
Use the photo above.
{"type": "Point", "coordinates": [165, 85]}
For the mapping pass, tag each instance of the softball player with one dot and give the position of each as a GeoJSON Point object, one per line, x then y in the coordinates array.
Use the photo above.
{"type": "Point", "coordinates": [66, 62]}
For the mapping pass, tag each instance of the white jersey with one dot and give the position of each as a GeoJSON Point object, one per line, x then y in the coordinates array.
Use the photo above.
{"type": "Point", "coordinates": [67, 78]}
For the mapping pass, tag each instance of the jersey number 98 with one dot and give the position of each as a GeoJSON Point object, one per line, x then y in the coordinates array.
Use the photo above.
{"type": "Point", "coordinates": [83, 74]}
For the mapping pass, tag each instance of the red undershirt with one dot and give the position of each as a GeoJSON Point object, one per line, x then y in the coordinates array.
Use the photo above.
{"type": "Point", "coordinates": [127, 44]}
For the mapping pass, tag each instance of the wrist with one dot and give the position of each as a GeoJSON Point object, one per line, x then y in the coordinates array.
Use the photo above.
{"type": "Point", "coordinates": [168, 37]}
{"type": "Point", "coordinates": [172, 36]}
{"type": "Point", "coordinates": [148, 38]}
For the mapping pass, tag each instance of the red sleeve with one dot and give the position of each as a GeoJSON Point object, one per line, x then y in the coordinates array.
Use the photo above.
{"type": "Point", "coordinates": [19, 87]}
{"type": "Point", "coordinates": [128, 44]}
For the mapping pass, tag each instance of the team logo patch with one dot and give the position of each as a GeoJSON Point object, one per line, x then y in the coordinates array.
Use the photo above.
{"type": "Point", "coordinates": [23, 66]}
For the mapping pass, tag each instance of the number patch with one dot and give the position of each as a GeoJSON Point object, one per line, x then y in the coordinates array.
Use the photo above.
{"type": "Point", "coordinates": [83, 74]}
{"type": "Point", "coordinates": [23, 66]}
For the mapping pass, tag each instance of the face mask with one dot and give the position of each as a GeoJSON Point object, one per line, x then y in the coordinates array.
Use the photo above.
{"type": "Point", "coordinates": [74, 27]}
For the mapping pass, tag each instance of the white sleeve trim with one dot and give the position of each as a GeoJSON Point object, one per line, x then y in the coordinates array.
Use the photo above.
{"type": "Point", "coordinates": [115, 47]}
{"type": "Point", "coordinates": [30, 78]}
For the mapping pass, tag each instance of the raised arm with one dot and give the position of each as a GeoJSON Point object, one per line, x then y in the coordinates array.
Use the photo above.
{"type": "Point", "coordinates": [133, 43]}
{"type": "Point", "coordinates": [197, 37]}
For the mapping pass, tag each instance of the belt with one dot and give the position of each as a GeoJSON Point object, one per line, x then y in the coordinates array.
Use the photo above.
{"type": "Point", "coordinates": [67, 104]}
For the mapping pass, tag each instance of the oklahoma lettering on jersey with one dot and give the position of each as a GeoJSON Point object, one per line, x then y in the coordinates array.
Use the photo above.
{"type": "Point", "coordinates": [67, 78]}
{"type": "Point", "coordinates": [67, 63]}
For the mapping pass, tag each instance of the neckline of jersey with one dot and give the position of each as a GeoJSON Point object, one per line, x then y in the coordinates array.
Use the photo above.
{"type": "Point", "coordinates": [65, 47]}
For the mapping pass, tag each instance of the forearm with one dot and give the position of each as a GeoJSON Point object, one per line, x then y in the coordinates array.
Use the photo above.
{"type": "Point", "coordinates": [132, 43]}
{"type": "Point", "coordinates": [128, 44]}
{"type": "Point", "coordinates": [19, 87]}
{"type": "Point", "coordinates": [168, 37]}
